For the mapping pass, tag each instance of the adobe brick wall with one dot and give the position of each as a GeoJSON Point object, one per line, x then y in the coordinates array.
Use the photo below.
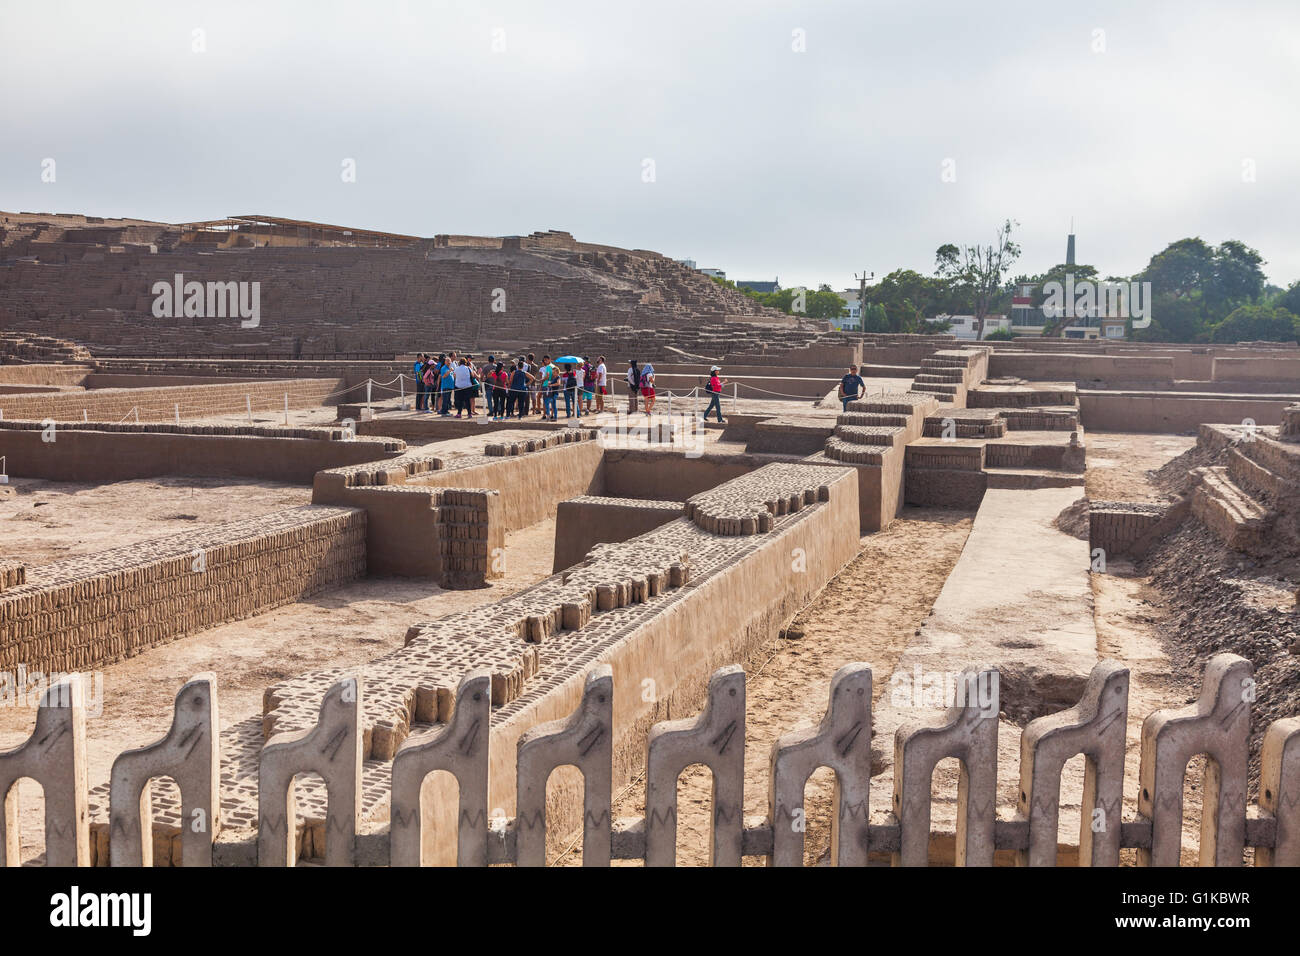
{"type": "Point", "coordinates": [1071, 367]}
{"type": "Point", "coordinates": [582, 523]}
{"type": "Point", "coordinates": [92, 610]}
{"type": "Point", "coordinates": [1113, 526]}
{"type": "Point", "coordinates": [80, 453]}
{"type": "Point", "coordinates": [1157, 412]}
{"type": "Point", "coordinates": [159, 404]}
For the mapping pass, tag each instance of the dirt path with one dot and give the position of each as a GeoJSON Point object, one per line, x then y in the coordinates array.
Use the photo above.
{"type": "Point", "coordinates": [1118, 463]}
{"type": "Point", "coordinates": [868, 613]}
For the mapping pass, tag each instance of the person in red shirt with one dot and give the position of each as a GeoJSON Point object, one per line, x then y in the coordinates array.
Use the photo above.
{"type": "Point", "coordinates": [714, 389]}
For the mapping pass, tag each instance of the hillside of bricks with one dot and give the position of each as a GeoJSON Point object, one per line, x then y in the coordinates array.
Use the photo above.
{"type": "Point", "coordinates": [90, 284]}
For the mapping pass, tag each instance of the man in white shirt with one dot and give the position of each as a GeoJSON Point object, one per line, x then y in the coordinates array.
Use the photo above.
{"type": "Point", "coordinates": [600, 384]}
{"type": "Point", "coordinates": [464, 382]}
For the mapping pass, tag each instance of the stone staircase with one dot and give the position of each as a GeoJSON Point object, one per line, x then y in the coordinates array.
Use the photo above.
{"type": "Point", "coordinates": [1252, 501]}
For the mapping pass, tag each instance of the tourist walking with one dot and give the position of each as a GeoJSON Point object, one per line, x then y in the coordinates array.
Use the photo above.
{"type": "Point", "coordinates": [714, 390]}
{"type": "Point", "coordinates": [419, 382]}
{"type": "Point", "coordinates": [851, 386]}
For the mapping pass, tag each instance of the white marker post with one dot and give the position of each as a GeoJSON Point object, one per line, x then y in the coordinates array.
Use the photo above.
{"type": "Point", "coordinates": [248, 402]}
{"type": "Point", "coordinates": [286, 408]}
{"type": "Point", "coordinates": [401, 385]}
{"type": "Point", "coordinates": [177, 406]}
{"type": "Point", "coordinates": [369, 383]}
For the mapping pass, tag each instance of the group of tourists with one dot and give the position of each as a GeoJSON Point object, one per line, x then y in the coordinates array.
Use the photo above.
{"type": "Point", "coordinates": [509, 388]}
{"type": "Point", "coordinates": [523, 386]}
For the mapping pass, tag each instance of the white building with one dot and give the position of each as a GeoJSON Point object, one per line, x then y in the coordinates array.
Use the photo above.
{"type": "Point", "coordinates": [963, 326]}
{"type": "Point", "coordinates": [851, 314]}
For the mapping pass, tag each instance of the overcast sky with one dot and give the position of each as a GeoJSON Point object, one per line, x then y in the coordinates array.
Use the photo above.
{"type": "Point", "coordinates": [1144, 122]}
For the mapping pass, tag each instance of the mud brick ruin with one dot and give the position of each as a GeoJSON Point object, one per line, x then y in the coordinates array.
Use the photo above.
{"type": "Point", "coordinates": [602, 592]}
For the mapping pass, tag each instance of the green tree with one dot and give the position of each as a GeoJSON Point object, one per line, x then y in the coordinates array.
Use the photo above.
{"type": "Point", "coordinates": [980, 270]}
{"type": "Point", "coordinates": [1256, 323]}
{"type": "Point", "coordinates": [999, 335]}
{"type": "Point", "coordinates": [1290, 299]}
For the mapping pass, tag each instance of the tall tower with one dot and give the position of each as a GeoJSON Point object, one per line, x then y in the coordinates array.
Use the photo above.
{"type": "Point", "coordinates": [1069, 246]}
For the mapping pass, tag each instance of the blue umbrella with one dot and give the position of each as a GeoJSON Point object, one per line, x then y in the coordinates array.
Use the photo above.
{"type": "Point", "coordinates": [569, 360]}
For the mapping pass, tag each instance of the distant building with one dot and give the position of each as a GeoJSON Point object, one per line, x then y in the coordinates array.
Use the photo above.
{"type": "Point", "coordinates": [963, 326]}
{"type": "Point", "coordinates": [773, 286]}
{"type": "Point", "coordinates": [688, 263]}
{"type": "Point", "coordinates": [714, 273]}
{"type": "Point", "coordinates": [851, 315]}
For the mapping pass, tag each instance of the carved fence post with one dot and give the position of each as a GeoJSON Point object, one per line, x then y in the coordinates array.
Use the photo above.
{"type": "Point", "coordinates": [190, 755]}
{"type": "Point", "coordinates": [1279, 792]}
{"type": "Point", "coordinates": [55, 757]}
{"type": "Point", "coordinates": [1216, 725]}
{"type": "Point", "coordinates": [1095, 727]}
{"type": "Point", "coordinates": [460, 748]}
{"type": "Point", "coordinates": [716, 738]}
{"type": "Point", "coordinates": [968, 732]}
{"type": "Point", "coordinates": [586, 740]}
{"type": "Point", "coordinates": [332, 749]}
{"type": "Point", "coordinates": [842, 741]}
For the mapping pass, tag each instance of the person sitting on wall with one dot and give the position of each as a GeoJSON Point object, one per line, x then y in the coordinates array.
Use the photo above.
{"type": "Point", "coordinates": [851, 386]}
{"type": "Point", "coordinates": [714, 389]}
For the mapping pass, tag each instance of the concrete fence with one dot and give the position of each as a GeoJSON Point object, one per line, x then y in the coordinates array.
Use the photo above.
{"type": "Point", "coordinates": [1217, 725]}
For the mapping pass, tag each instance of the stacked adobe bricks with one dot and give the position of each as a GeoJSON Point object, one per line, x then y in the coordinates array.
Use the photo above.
{"type": "Point", "coordinates": [338, 299]}
{"type": "Point", "coordinates": [1251, 503]}
{"type": "Point", "coordinates": [163, 403]}
{"type": "Point", "coordinates": [87, 611]}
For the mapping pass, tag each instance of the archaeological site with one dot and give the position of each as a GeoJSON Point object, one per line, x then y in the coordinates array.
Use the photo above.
{"type": "Point", "coordinates": [1023, 602]}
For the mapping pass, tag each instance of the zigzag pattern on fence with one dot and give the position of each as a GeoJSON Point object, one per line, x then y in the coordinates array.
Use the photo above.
{"type": "Point", "coordinates": [1217, 724]}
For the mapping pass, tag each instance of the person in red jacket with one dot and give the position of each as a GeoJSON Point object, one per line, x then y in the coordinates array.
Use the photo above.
{"type": "Point", "coordinates": [714, 390]}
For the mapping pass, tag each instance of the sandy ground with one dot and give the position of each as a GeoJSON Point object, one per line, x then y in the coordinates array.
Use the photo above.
{"type": "Point", "coordinates": [868, 613]}
{"type": "Point", "coordinates": [350, 625]}
{"type": "Point", "coordinates": [46, 521]}
{"type": "Point", "coordinates": [1118, 463]}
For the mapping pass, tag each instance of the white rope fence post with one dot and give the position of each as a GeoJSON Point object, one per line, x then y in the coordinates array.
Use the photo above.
{"type": "Point", "coordinates": [84, 417]}
{"type": "Point", "coordinates": [735, 393]}
{"type": "Point", "coordinates": [369, 383]}
{"type": "Point", "coordinates": [248, 403]}
{"type": "Point", "coordinates": [286, 408]}
{"type": "Point", "coordinates": [177, 407]}
{"type": "Point", "coordinates": [401, 384]}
